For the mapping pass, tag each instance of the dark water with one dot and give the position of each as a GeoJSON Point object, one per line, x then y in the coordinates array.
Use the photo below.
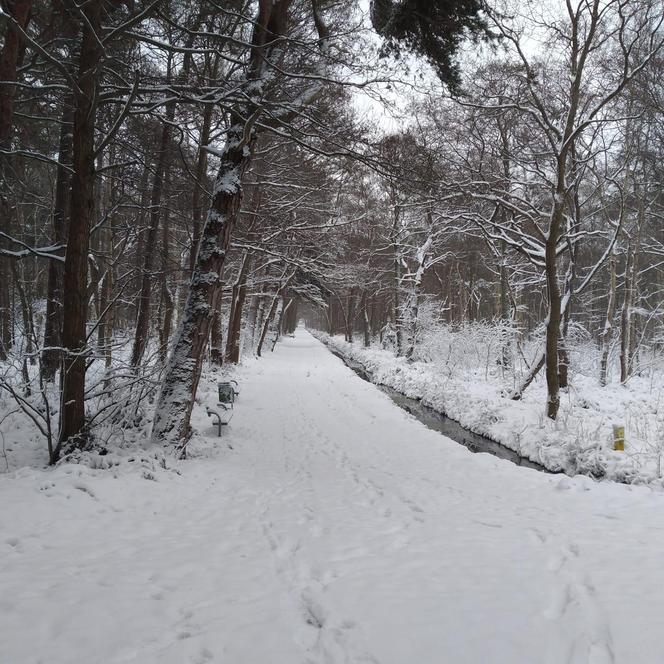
{"type": "Point", "coordinates": [441, 423]}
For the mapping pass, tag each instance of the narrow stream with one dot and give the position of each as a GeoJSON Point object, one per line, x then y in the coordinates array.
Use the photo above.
{"type": "Point", "coordinates": [441, 423]}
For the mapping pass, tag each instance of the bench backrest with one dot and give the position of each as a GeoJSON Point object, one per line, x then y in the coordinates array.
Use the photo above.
{"type": "Point", "coordinates": [226, 393]}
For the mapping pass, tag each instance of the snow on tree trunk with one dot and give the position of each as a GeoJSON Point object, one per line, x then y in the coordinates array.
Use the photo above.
{"type": "Point", "coordinates": [607, 332]}
{"type": "Point", "coordinates": [281, 311]}
{"type": "Point", "coordinates": [366, 321]}
{"type": "Point", "coordinates": [173, 413]}
{"type": "Point", "coordinates": [421, 258]}
{"type": "Point", "coordinates": [237, 309]}
{"type": "Point", "coordinates": [631, 276]}
{"type": "Point", "coordinates": [276, 298]}
{"type": "Point", "coordinates": [396, 283]}
{"type": "Point", "coordinates": [554, 300]}
{"type": "Point", "coordinates": [217, 334]}
{"type": "Point", "coordinates": [176, 399]}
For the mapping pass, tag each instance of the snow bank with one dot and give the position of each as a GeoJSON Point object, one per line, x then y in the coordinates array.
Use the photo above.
{"type": "Point", "coordinates": [580, 441]}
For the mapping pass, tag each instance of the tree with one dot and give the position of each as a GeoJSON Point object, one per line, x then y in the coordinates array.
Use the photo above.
{"type": "Point", "coordinates": [171, 424]}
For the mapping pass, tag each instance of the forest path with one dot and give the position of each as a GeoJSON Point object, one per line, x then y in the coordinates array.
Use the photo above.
{"type": "Point", "coordinates": [338, 530]}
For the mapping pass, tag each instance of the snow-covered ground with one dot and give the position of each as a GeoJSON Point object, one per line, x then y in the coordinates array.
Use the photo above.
{"type": "Point", "coordinates": [580, 441]}
{"type": "Point", "coordinates": [337, 530]}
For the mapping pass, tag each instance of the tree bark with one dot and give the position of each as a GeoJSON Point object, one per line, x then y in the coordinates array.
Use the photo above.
{"type": "Point", "coordinates": [217, 335]}
{"type": "Point", "coordinates": [52, 357]}
{"type": "Point", "coordinates": [350, 316]}
{"type": "Point", "coordinates": [553, 322]}
{"type": "Point", "coordinates": [171, 424]}
{"type": "Point", "coordinates": [173, 414]}
{"type": "Point", "coordinates": [367, 322]}
{"type": "Point", "coordinates": [199, 185]}
{"type": "Point", "coordinates": [266, 323]}
{"type": "Point", "coordinates": [607, 332]}
{"type": "Point", "coordinates": [281, 313]}
{"type": "Point", "coordinates": [414, 312]}
{"type": "Point", "coordinates": [19, 10]}
{"type": "Point", "coordinates": [166, 295]}
{"type": "Point", "coordinates": [631, 274]}
{"type": "Point", "coordinates": [290, 320]}
{"type": "Point", "coordinates": [396, 284]}
{"type": "Point", "coordinates": [145, 295]}
{"type": "Point", "coordinates": [252, 316]}
{"type": "Point", "coordinates": [75, 298]}
{"type": "Point", "coordinates": [235, 323]}
{"type": "Point", "coordinates": [530, 377]}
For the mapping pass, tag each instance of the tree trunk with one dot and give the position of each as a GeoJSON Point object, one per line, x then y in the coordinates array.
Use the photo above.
{"type": "Point", "coordinates": [105, 289]}
{"type": "Point", "coordinates": [414, 312]}
{"type": "Point", "coordinates": [330, 318]}
{"type": "Point", "coordinates": [506, 354]}
{"type": "Point", "coordinates": [350, 317]}
{"type": "Point", "coordinates": [199, 185]}
{"type": "Point", "coordinates": [396, 284]}
{"type": "Point", "coordinates": [290, 320]}
{"type": "Point", "coordinates": [52, 357]}
{"type": "Point", "coordinates": [26, 312]}
{"type": "Point", "coordinates": [166, 295]}
{"type": "Point", "coordinates": [258, 322]}
{"type": "Point", "coordinates": [171, 424]}
{"type": "Point", "coordinates": [9, 59]}
{"type": "Point", "coordinates": [176, 399]}
{"type": "Point", "coordinates": [75, 297]}
{"type": "Point", "coordinates": [278, 328]}
{"type": "Point", "coordinates": [367, 322]}
{"type": "Point", "coordinates": [266, 324]}
{"type": "Point", "coordinates": [553, 322]}
{"type": "Point", "coordinates": [530, 377]}
{"type": "Point", "coordinates": [145, 296]}
{"type": "Point", "coordinates": [237, 308]}
{"type": "Point", "coordinates": [276, 298]}
{"type": "Point", "coordinates": [139, 254]}
{"type": "Point", "coordinates": [631, 274]}
{"type": "Point", "coordinates": [607, 332]}
{"type": "Point", "coordinates": [217, 336]}
{"type": "Point", "coordinates": [252, 317]}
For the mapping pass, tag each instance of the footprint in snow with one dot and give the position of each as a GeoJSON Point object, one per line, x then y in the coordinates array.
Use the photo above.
{"type": "Point", "coordinates": [313, 612]}
{"type": "Point", "coordinates": [86, 489]}
{"type": "Point", "coordinates": [205, 655]}
{"type": "Point", "coordinates": [536, 535]}
{"type": "Point", "coordinates": [560, 602]}
{"type": "Point", "coordinates": [600, 653]}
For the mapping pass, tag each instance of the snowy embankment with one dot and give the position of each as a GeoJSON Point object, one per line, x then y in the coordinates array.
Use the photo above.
{"type": "Point", "coordinates": [337, 529]}
{"type": "Point", "coordinates": [580, 441]}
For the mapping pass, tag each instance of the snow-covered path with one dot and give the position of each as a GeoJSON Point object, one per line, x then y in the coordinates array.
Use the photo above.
{"type": "Point", "coordinates": [338, 530]}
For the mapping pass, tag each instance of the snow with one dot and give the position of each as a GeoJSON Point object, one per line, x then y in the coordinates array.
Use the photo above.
{"type": "Point", "coordinates": [337, 529]}
{"type": "Point", "coordinates": [580, 441]}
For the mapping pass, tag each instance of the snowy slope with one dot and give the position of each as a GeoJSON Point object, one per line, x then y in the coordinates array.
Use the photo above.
{"type": "Point", "coordinates": [338, 529]}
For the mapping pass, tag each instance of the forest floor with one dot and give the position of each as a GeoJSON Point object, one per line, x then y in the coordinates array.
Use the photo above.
{"type": "Point", "coordinates": [337, 530]}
